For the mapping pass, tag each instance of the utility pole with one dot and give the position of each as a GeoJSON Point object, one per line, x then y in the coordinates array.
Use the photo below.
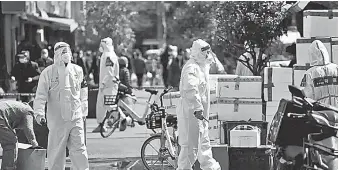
{"type": "Point", "coordinates": [161, 22]}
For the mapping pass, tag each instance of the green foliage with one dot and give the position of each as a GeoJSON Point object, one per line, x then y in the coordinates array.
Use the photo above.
{"type": "Point", "coordinates": [189, 21]}
{"type": "Point", "coordinates": [110, 19]}
{"type": "Point", "coordinates": [257, 23]}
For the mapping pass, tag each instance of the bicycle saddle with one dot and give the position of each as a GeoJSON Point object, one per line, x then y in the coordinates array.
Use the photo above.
{"type": "Point", "coordinates": [154, 92]}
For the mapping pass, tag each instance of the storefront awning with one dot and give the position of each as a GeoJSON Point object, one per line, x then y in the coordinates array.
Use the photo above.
{"type": "Point", "coordinates": [63, 23]}
{"type": "Point", "coordinates": [55, 23]}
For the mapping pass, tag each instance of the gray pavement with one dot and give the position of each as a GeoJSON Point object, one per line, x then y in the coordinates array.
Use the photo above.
{"type": "Point", "coordinates": [120, 147]}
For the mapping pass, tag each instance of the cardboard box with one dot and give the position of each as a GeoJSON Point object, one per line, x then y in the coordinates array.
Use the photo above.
{"type": "Point", "coordinates": [320, 23]}
{"type": "Point", "coordinates": [213, 127]}
{"type": "Point", "coordinates": [233, 109]}
{"type": "Point", "coordinates": [234, 86]}
{"type": "Point", "coordinates": [298, 74]}
{"type": "Point", "coordinates": [303, 45]}
{"type": "Point", "coordinates": [334, 44]}
{"type": "Point", "coordinates": [276, 81]}
{"type": "Point", "coordinates": [170, 101]}
{"type": "Point", "coordinates": [245, 136]}
{"type": "Point", "coordinates": [213, 86]}
{"type": "Point", "coordinates": [220, 154]}
{"type": "Point", "coordinates": [272, 107]}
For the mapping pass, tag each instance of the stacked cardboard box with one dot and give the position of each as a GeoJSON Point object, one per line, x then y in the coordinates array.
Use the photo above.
{"type": "Point", "coordinates": [276, 81]}
{"type": "Point", "coordinates": [235, 101]}
{"type": "Point", "coordinates": [320, 23]}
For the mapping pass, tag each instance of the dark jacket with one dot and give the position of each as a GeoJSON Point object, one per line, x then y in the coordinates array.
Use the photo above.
{"type": "Point", "coordinates": [88, 67]}
{"type": "Point", "coordinates": [125, 76]}
{"type": "Point", "coordinates": [139, 66]}
{"type": "Point", "coordinates": [43, 63]}
{"type": "Point", "coordinates": [17, 115]}
{"type": "Point", "coordinates": [22, 72]}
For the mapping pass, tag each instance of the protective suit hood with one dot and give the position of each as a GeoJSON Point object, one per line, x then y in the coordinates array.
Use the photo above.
{"type": "Point", "coordinates": [318, 54]}
{"type": "Point", "coordinates": [62, 52]}
{"type": "Point", "coordinates": [201, 52]}
{"type": "Point", "coordinates": [106, 45]}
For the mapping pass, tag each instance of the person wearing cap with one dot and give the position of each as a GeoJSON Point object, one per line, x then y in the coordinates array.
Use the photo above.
{"type": "Point", "coordinates": [14, 115]}
{"type": "Point", "coordinates": [44, 61]}
{"type": "Point", "coordinates": [108, 86]}
{"type": "Point", "coordinates": [26, 73]}
{"type": "Point", "coordinates": [63, 87]}
{"type": "Point", "coordinates": [193, 110]}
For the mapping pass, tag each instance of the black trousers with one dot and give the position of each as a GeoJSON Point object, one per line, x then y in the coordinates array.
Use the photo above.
{"type": "Point", "coordinates": [140, 79]}
{"type": "Point", "coordinates": [165, 76]}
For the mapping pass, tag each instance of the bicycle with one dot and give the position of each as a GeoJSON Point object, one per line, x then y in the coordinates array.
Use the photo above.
{"type": "Point", "coordinates": [113, 118]}
{"type": "Point", "coordinates": [158, 118]}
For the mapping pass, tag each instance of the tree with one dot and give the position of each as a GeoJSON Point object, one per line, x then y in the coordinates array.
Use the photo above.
{"type": "Point", "coordinates": [109, 19]}
{"type": "Point", "coordinates": [258, 24]}
{"type": "Point", "coordinates": [190, 20]}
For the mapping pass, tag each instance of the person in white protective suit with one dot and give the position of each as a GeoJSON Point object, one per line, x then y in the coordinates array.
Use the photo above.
{"type": "Point", "coordinates": [243, 70]}
{"type": "Point", "coordinates": [321, 81]}
{"type": "Point", "coordinates": [109, 71]}
{"type": "Point", "coordinates": [63, 87]}
{"type": "Point", "coordinates": [193, 108]}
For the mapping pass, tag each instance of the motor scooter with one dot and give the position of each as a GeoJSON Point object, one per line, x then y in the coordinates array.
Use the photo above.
{"type": "Point", "coordinates": [305, 133]}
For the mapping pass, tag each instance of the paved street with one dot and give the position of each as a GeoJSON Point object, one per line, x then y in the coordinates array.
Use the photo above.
{"type": "Point", "coordinates": [121, 146]}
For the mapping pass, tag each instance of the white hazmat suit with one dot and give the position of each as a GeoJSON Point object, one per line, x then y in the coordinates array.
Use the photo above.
{"type": "Point", "coordinates": [63, 87]}
{"type": "Point", "coordinates": [321, 81]}
{"type": "Point", "coordinates": [109, 71]}
{"type": "Point", "coordinates": [195, 96]}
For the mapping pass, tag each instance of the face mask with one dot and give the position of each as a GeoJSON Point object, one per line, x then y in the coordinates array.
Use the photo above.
{"type": "Point", "coordinates": [44, 56]}
{"type": "Point", "coordinates": [23, 60]}
{"type": "Point", "coordinates": [66, 58]}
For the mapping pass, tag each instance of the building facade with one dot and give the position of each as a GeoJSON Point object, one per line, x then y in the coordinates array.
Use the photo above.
{"type": "Point", "coordinates": [34, 25]}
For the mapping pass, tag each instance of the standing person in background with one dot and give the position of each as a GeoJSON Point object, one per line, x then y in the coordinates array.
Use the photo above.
{"type": "Point", "coordinates": [108, 88]}
{"type": "Point", "coordinates": [75, 57]}
{"type": "Point", "coordinates": [140, 69]}
{"type": "Point", "coordinates": [151, 66]}
{"type": "Point", "coordinates": [164, 59]}
{"type": "Point", "coordinates": [44, 61]}
{"type": "Point", "coordinates": [241, 69]}
{"type": "Point", "coordinates": [26, 73]}
{"type": "Point", "coordinates": [174, 68]}
{"type": "Point", "coordinates": [88, 65]}
{"type": "Point", "coordinates": [292, 51]}
{"type": "Point", "coordinates": [63, 88]}
{"type": "Point", "coordinates": [124, 74]}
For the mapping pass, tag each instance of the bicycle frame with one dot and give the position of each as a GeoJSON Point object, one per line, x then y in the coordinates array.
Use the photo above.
{"type": "Point", "coordinates": [165, 135]}
{"type": "Point", "coordinates": [131, 112]}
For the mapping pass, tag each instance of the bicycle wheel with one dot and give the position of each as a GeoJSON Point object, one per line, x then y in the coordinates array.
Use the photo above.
{"type": "Point", "coordinates": [110, 123]}
{"type": "Point", "coordinates": [160, 158]}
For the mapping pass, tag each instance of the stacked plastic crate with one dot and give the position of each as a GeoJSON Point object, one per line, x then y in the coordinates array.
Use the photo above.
{"type": "Point", "coordinates": [319, 25]}
{"type": "Point", "coordinates": [276, 81]}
